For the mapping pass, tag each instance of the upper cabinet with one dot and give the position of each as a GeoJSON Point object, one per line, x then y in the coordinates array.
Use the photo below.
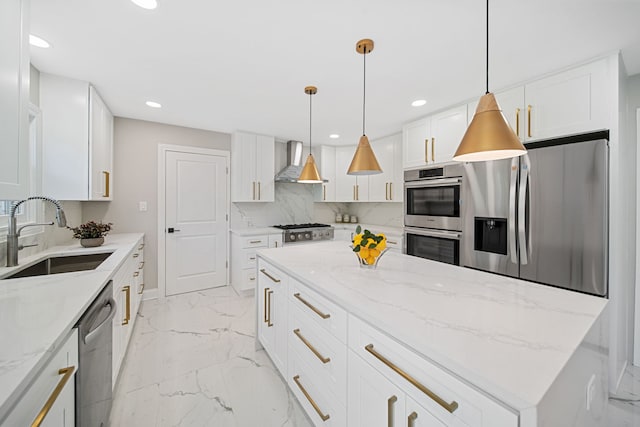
{"type": "Point", "coordinates": [328, 172]}
{"type": "Point", "coordinates": [387, 186]}
{"type": "Point", "coordinates": [252, 167]}
{"type": "Point", "coordinates": [434, 139]}
{"type": "Point", "coordinates": [14, 99]}
{"type": "Point", "coordinates": [349, 188]}
{"type": "Point", "coordinates": [569, 102]}
{"type": "Point", "coordinates": [77, 132]}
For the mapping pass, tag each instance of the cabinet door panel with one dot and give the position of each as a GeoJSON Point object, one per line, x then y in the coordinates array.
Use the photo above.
{"type": "Point", "coordinates": [419, 416]}
{"type": "Point", "coordinates": [265, 169]}
{"type": "Point", "coordinates": [379, 184]}
{"type": "Point", "coordinates": [511, 103]}
{"type": "Point", "coordinates": [448, 128]}
{"type": "Point", "coordinates": [328, 172]}
{"type": "Point", "coordinates": [345, 184]}
{"type": "Point", "coordinates": [101, 148]}
{"type": "Point", "coordinates": [415, 141]}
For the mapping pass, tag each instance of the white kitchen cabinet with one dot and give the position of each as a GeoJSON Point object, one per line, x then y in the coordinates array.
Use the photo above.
{"type": "Point", "coordinates": [447, 130]}
{"type": "Point", "coordinates": [14, 99]}
{"type": "Point", "coordinates": [243, 258]}
{"type": "Point", "coordinates": [252, 167]}
{"type": "Point", "coordinates": [415, 143]}
{"type": "Point", "coordinates": [511, 103]}
{"type": "Point", "coordinates": [60, 370]}
{"type": "Point", "coordinates": [387, 186]}
{"type": "Point", "coordinates": [349, 188]}
{"type": "Point", "coordinates": [328, 172]}
{"type": "Point", "coordinates": [77, 133]}
{"type": "Point", "coordinates": [272, 313]}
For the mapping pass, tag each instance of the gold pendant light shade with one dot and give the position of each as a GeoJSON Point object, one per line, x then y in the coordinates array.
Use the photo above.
{"type": "Point", "coordinates": [364, 160]}
{"type": "Point", "coordinates": [309, 173]}
{"type": "Point", "coordinates": [489, 136]}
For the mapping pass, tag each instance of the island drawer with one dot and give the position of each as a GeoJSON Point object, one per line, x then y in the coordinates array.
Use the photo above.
{"type": "Point", "coordinates": [319, 309]}
{"type": "Point", "coordinates": [444, 395]}
{"type": "Point", "coordinates": [319, 350]}
{"type": "Point", "coordinates": [323, 408]}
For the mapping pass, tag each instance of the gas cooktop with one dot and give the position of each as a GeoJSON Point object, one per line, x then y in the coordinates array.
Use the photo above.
{"type": "Point", "coordinates": [294, 233]}
{"type": "Point", "coordinates": [300, 226]}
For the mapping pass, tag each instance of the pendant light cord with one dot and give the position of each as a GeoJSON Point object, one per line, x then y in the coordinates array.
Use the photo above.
{"type": "Point", "coordinates": [487, 46]}
{"type": "Point", "coordinates": [364, 88]}
{"type": "Point", "coordinates": [310, 96]}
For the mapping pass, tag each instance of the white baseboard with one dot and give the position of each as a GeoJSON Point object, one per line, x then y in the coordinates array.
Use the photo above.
{"type": "Point", "coordinates": [150, 294]}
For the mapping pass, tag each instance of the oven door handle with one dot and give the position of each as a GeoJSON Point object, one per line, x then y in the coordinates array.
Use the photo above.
{"type": "Point", "coordinates": [434, 233]}
{"type": "Point", "coordinates": [436, 182]}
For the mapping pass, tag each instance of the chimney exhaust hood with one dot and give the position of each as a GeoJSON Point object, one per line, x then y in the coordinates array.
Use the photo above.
{"type": "Point", "coordinates": [291, 172]}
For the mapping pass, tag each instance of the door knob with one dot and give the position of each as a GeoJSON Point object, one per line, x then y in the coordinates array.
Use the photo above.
{"type": "Point", "coordinates": [172, 230]}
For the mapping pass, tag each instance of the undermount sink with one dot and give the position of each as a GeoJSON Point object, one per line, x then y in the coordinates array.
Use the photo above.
{"type": "Point", "coordinates": [61, 264]}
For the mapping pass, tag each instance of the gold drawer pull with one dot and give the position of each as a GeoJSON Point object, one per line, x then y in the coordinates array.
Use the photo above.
{"type": "Point", "coordinates": [252, 258]}
{"type": "Point", "coordinates": [391, 191]}
{"type": "Point", "coordinates": [324, 192]}
{"type": "Point", "coordinates": [426, 150]}
{"type": "Point", "coordinates": [433, 149]}
{"type": "Point", "coordinates": [107, 192]}
{"type": "Point", "coordinates": [269, 324]}
{"type": "Point", "coordinates": [127, 315]}
{"type": "Point", "coordinates": [312, 348]}
{"type": "Point", "coordinates": [518, 122]}
{"type": "Point", "coordinates": [67, 373]}
{"type": "Point", "coordinates": [310, 399]}
{"type": "Point", "coordinates": [259, 196]}
{"type": "Point", "coordinates": [263, 271]}
{"type": "Point", "coordinates": [390, 403]}
{"type": "Point", "coordinates": [411, 419]}
{"type": "Point", "coordinates": [136, 255]}
{"type": "Point", "coordinates": [141, 289]}
{"type": "Point", "coordinates": [253, 242]}
{"type": "Point", "coordinates": [308, 304]}
{"type": "Point", "coordinates": [254, 190]}
{"type": "Point", "coordinates": [136, 274]}
{"type": "Point", "coordinates": [141, 265]}
{"type": "Point", "coordinates": [529, 107]}
{"type": "Point", "coordinates": [448, 406]}
{"type": "Point", "coordinates": [141, 246]}
{"type": "Point", "coordinates": [391, 242]}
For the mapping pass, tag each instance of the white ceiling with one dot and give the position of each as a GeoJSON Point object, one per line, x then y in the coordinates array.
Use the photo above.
{"type": "Point", "coordinates": [243, 64]}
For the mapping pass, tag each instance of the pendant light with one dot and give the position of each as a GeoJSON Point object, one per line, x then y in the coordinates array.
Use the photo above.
{"type": "Point", "coordinates": [364, 160]}
{"type": "Point", "coordinates": [489, 136]}
{"type": "Point", "coordinates": [309, 174]}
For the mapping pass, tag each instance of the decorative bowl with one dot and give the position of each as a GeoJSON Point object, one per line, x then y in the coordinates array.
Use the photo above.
{"type": "Point", "coordinates": [362, 262]}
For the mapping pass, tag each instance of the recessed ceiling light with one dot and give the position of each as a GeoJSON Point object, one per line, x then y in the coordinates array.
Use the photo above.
{"type": "Point", "coordinates": [334, 136]}
{"type": "Point", "coordinates": [418, 103]}
{"type": "Point", "coordinates": [146, 4]}
{"type": "Point", "coordinates": [153, 104]}
{"type": "Point", "coordinates": [38, 42]}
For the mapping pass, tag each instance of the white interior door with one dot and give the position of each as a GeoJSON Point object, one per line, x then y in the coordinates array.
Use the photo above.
{"type": "Point", "coordinates": [196, 223]}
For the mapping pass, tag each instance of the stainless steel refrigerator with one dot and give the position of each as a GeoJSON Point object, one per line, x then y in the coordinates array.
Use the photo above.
{"type": "Point", "coordinates": [542, 217]}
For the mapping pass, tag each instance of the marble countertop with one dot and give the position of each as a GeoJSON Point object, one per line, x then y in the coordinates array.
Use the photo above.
{"type": "Point", "coordinates": [37, 313]}
{"type": "Point", "coordinates": [255, 231]}
{"type": "Point", "coordinates": [508, 337]}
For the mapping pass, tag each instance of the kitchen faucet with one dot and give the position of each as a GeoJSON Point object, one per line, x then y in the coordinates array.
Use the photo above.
{"type": "Point", "coordinates": [13, 232]}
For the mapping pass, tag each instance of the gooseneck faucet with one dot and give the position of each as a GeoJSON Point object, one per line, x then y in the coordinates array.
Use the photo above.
{"type": "Point", "coordinates": [13, 233]}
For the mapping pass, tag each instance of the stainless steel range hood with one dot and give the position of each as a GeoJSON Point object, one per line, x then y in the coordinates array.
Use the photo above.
{"type": "Point", "coordinates": [291, 171]}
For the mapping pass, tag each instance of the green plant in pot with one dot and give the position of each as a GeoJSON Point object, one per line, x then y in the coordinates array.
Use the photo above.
{"type": "Point", "coordinates": [91, 234]}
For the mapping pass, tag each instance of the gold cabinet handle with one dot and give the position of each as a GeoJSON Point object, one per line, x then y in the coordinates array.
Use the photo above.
{"type": "Point", "coordinates": [276, 243]}
{"type": "Point", "coordinates": [254, 190]}
{"type": "Point", "coordinates": [411, 419]}
{"type": "Point", "coordinates": [322, 416]}
{"type": "Point", "coordinates": [311, 347]}
{"type": "Point", "coordinates": [448, 406]}
{"type": "Point", "coordinates": [66, 374]}
{"type": "Point", "coordinates": [308, 304]}
{"type": "Point", "coordinates": [354, 192]}
{"type": "Point", "coordinates": [136, 255]}
{"type": "Point", "coordinates": [269, 324]}
{"type": "Point", "coordinates": [390, 404]}
{"type": "Point", "coordinates": [426, 150]}
{"type": "Point", "coordinates": [324, 192]}
{"type": "Point", "coordinates": [529, 107]}
{"type": "Point", "coordinates": [357, 192]}
{"type": "Point", "coordinates": [252, 258]}
{"type": "Point", "coordinates": [141, 289]}
{"type": "Point", "coordinates": [252, 279]}
{"type": "Point", "coordinates": [106, 184]}
{"type": "Point", "coordinates": [386, 191]}
{"type": "Point", "coordinates": [255, 241]}
{"type": "Point", "coordinates": [391, 191]}
{"type": "Point", "coordinates": [141, 246]}
{"type": "Point", "coordinates": [259, 196]}
{"type": "Point", "coordinates": [136, 274]}
{"type": "Point", "coordinates": [433, 149]}
{"type": "Point", "coordinates": [518, 122]}
{"type": "Point", "coordinates": [127, 316]}
{"type": "Point", "coordinates": [141, 266]}
{"type": "Point", "coordinates": [265, 305]}
{"type": "Point", "coordinates": [263, 271]}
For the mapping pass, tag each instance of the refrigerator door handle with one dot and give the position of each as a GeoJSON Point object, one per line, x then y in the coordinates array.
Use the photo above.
{"type": "Point", "coordinates": [512, 209]}
{"type": "Point", "coordinates": [525, 171]}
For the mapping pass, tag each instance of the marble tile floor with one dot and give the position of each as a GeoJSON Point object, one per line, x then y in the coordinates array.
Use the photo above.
{"type": "Point", "coordinates": [192, 362]}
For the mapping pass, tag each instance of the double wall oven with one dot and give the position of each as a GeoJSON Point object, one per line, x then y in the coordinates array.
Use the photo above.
{"type": "Point", "coordinates": [433, 213]}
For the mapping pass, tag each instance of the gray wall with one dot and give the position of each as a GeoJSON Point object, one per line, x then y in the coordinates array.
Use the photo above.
{"type": "Point", "coordinates": [135, 178]}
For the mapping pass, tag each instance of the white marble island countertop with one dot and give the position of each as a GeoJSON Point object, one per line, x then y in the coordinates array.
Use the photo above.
{"type": "Point", "coordinates": [508, 337]}
{"type": "Point", "coordinates": [37, 313]}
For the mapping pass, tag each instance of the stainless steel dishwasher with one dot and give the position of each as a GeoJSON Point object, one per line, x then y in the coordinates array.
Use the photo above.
{"type": "Point", "coordinates": [93, 380]}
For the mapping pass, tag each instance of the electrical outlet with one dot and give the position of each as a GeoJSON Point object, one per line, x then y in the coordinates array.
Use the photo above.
{"type": "Point", "coordinates": [591, 391]}
{"type": "Point", "coordinates": [142, 206]}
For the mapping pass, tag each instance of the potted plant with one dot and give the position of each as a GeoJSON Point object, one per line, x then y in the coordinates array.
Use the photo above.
{"type": "Point", "coordinates": [91, 234]}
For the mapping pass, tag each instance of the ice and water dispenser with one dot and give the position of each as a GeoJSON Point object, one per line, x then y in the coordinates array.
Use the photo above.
{"type": "Point", "coordinates": [490, 235]}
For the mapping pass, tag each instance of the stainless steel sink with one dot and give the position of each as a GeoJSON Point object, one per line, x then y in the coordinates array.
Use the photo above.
{"type": "Point", "coordinates": [61, 264]}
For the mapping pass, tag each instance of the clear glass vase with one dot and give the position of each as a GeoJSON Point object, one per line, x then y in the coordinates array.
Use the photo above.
{"type": "Point", "coordinates": [363, 263]}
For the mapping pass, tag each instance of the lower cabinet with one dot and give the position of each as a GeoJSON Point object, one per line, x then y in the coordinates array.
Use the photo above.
{"type": "Point", "coordinates": [243, 258]}
{"type": "Point", "coordinates": [272, 313]}
{"type": "Point", "coordinates": [50, 400]}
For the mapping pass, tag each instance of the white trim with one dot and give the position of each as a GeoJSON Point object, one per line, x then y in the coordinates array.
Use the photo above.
{"type": "Point", "coordinates": [636, 328]}
{"type": "Point", "coordinates": [150, 294]}
{"type": "Point", "coordinates": [163, 149]}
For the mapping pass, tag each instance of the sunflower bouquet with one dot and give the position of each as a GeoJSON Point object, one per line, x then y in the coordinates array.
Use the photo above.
{"type": "Point", "coordinates": [368, 246]}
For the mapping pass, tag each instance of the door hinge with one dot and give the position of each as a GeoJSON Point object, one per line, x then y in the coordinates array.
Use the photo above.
{"type": "Point", "coordinates": [227, 170]}
{"type": "Point", "coordinates": [227, 216]}
{"type": "Point", "coordinates": [226, 264]}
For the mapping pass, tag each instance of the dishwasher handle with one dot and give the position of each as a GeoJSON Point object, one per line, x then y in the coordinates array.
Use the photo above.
{"type": "Point", "coordinates": [95, 330]}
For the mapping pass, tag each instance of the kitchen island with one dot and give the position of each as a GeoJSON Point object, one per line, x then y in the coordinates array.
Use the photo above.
{"type": "Point", "coordinates": [534, 351]}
